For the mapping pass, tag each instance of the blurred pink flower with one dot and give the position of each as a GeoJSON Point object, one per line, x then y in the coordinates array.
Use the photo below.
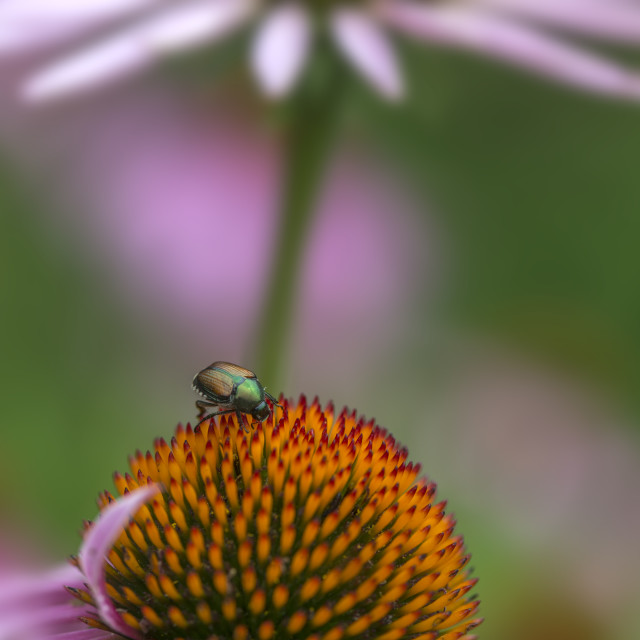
{"type": "Point", "coordinates": [555, 466]}
{"type": "Point", "coordinates": [166, 218]}
{"type": "Point", "coordinates": [108, 39]}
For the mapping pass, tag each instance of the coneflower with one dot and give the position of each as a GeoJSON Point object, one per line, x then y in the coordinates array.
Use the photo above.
{"type": "Point", "coordinates": [315, 528]}
{"type": "Point", "coordinates": [108, 39]}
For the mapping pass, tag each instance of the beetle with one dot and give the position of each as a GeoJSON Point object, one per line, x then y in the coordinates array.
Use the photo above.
{"type": "Point", "coordinates": [231, 388]}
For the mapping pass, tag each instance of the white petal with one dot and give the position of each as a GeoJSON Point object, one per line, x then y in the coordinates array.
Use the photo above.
{"type": "Point", "coordinates": [97, 542]}
{"type": "Point", "coordinates": [86, 69]}
{"type": "Point", "coordinates": [138, 46]}
{"type": "Point", "coordinates": [516, 43]}
{"type": "Point", "coordinates": [280, 48]}
{"type": "Point", "coordinates": [39, 10]}
{"type": "Point", "coordinates": [615, 19]}
{"type": "Point", "coordinates": [31, 24]}
{"type": "Point", "coordinates": [368, 49]}
{"type": "Point", "coordinates": [190, 25]}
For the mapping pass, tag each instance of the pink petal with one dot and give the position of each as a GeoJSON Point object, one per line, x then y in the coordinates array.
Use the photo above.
{"type": "Point", "coordinates": [99, 539]}
{"type": "Point", "coordinates": [195, 23]}
{"type": "Point", "coordinates": [368, 49]}
{"type": "Point", "coordinates": [503, 38]}
{"type": "Point", "coordinates": [42, 622]}
{"type": "Point", "coordinates": [615, 19]}
{"type": "Point", "coordinates": [31, 24]}
{"type": "Point", "coordinates": [87, 634]}
{"type": "Point", "coordinates": [32, 585]}
{"type": "Point", "coordinates": [132, 49]}
{"type": "Point", "coordinates": [34, 605]}
{"type": "Point", "coordinates": [90, 67]}
{"type": "Point", "coordinates": [280, 48]}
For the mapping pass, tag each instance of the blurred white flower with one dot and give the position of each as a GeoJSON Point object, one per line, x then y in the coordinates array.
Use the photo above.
{"type": "Point", "coordinates": [109, 39]}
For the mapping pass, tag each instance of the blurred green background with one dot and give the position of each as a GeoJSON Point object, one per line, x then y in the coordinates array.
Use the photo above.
{"type": "Point", "coordinates": [534, 191]}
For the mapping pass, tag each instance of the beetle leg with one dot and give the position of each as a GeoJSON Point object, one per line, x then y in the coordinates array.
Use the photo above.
{"type": "Point", "coordinates": [241, 422]}
{"type": "Point", "coordinates": [266, 393]}
{"type": "Point", "coordinates": [275, 404]}
{"type": "Point", "coordinates": [203, 405]}
{"type": "Point", "coordinates": [206, 416]}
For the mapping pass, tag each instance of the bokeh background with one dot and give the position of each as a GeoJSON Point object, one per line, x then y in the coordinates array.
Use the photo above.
{"type": "Point", "coordinates": [471, 281]}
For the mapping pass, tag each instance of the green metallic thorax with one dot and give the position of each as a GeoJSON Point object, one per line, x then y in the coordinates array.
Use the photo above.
{"type": "Point", "coordinates": [249, 394]}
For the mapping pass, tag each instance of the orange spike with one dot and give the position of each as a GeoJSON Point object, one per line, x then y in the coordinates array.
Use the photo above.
{"type": "Point", "coordinates": [177, 515]}
{"type": "Point", "coordinates": [263, 521]}
{"type": "Point", "coordinates": [151, 616]}
{"type": "Point", "coordinates": [249, 580]}
{"type": "Point", "coordinates": [299, 561]}
{"type": "Point", "coordinates": [232, 491]}
{"type": "Point", "coordinates": [245, 551]}
{"type": "Point", "coordinates": [168, 587]}
{"type": "Point", "coordinates": [217, 533]}
{"type": "Point", "coordinates": [152, 584]}
{"type": "Point", "coordinates": [297, 622]}
{"type": "Point", "coordinates": [310, 588]}
{"type": "Point", "coordinates": [290, 489]}
{"type": "Point", "coordinates": [359, 626]}
{"type": "Point", "coordinates": [214, 554]}
{"type": "Point", "coordinates": [310, 532]}
{"type": "Point", "coordinates": [288, 514]}
{"type": "Point", "coordinates": [202, 511]}
{"type": "Point", "coordinates": [247, 505]}
{"type": "Point", "coordinates": [329, 525]}
{"type": "Point", "coordinates": [263, 548]}
{"type": "Point", "coordinates": [322, 615]}
{"type": "Point", "coordinates": [266, 630]}
{"type": "Point", "coordinates": [318, 556]}
{"type": "Point", "coordinates": [172, 560]}
{"type": "Point", "coordinates": [220, 583]}
{"type": "Point", "coordinates": [257, 602]}
{"type": "Point", "coordinates": [241, 632]}
{"type": "Point", "coordinates": [246, 469]}
{"type": "Point", "coordinates": [203, 612]}
{"type": "Point", "coordinates": [137, 537]}
{"type": "Point", "coordinates": [189, 491]}
{"type": "Point", "coordinates": [229, 609]}
{"type": "Point", "coordinates": [287, 539]}
{"type": "Point", "coordinates": [194, 584]}
{"type": "Point", "coordinates": [173, 539]}
{"type": "Point", "coordinates": [331, 580]}
{"type": "Point", "coordinates": [274, 571]}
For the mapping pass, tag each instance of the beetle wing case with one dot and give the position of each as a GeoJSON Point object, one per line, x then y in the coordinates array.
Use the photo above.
{"type": "Point", "coordinates": [233, 369]}
{"type": "Point", "coordinates": [212, 381]}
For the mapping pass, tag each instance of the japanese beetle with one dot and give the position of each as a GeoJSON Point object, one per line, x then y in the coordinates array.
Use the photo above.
{"type": "Point", "coordinates": [230, 388]}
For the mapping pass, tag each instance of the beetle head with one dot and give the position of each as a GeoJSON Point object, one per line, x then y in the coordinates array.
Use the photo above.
{"type": "Point", "coordinates": [261, 412]}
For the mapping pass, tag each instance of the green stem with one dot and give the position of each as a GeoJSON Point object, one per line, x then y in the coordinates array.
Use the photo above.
{"type": "Point", "coordinates": [312, 124]}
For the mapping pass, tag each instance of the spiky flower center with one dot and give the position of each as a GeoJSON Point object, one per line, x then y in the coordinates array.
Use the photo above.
{"type": "Point", "coordinates": [317, 528]}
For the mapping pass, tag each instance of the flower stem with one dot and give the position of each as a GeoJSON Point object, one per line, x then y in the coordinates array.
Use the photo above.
{"type": "Point", "coordinates": [311, 123]}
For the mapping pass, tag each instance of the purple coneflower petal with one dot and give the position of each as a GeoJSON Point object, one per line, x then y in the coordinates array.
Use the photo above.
{"type": "Point", "coordinates": [615, 19]}
{"type": "Point", "coordinates": [194, 24]}
{"type": "Point", "coordinates": [43, 622]}
{"type": "Point", "coordinates": [98, 540]}
{"type": "Point", "coordinates": [87, 634]}
{"type": "Point", "coordinates": [138, 46]}
{"type": "Point", "coordinates": [369, 50]}
{"type": "Point", "coordinates": [280, 48]}
{"type": "Point", "coordinates": [14, 588]}
{"type": "Point", "coordinates": [506, 39]}
{"type": "Point", "coordinates": [32, 24]}
{"type": "Point", "coordinates": [33, 605]}
{"type": "Point", "coordinates": [86, 69]}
